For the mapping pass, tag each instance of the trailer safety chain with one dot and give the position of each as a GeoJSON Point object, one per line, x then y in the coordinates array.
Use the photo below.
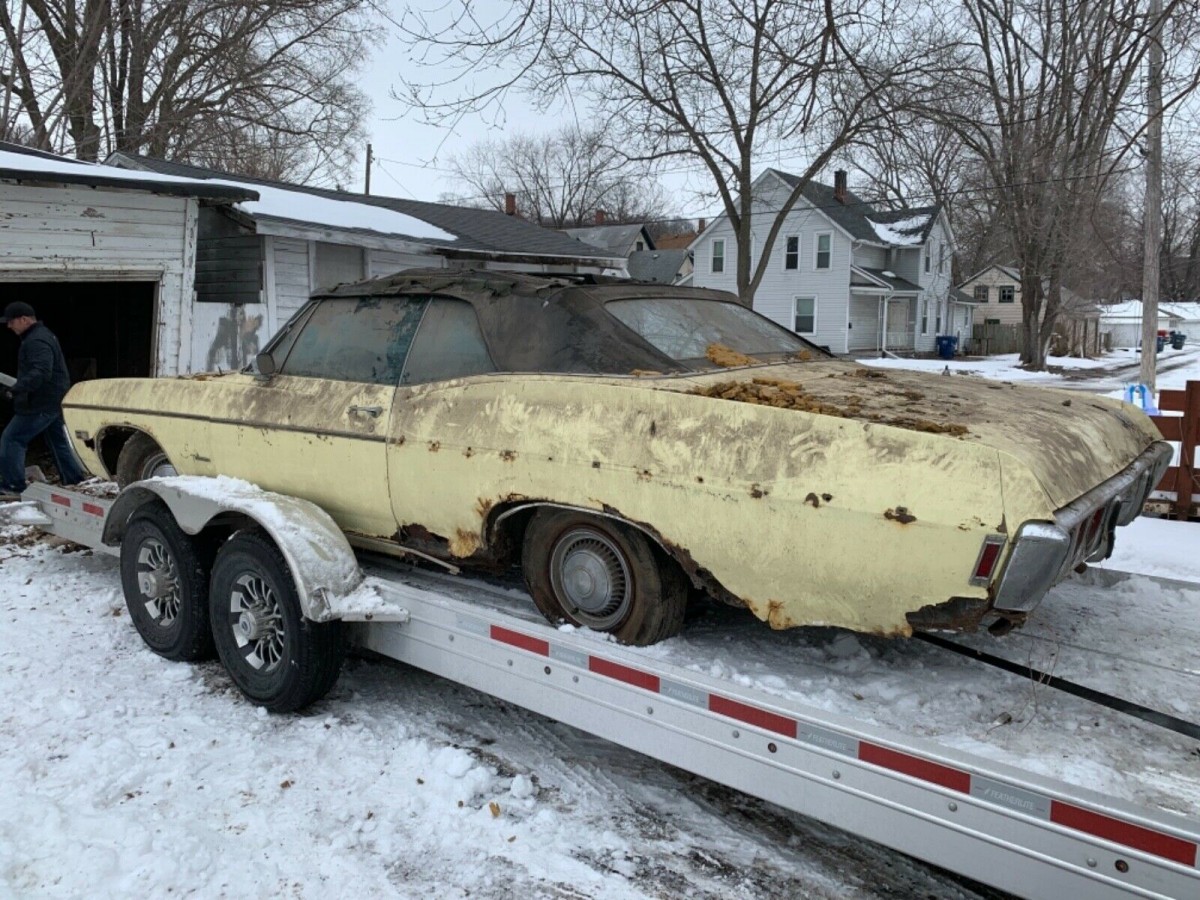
{"type": "Point", "coordinates": [1128, 707]}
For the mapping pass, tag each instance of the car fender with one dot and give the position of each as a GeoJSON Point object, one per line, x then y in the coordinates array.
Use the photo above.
{"type": "Point", "coordinates": [321, 560]}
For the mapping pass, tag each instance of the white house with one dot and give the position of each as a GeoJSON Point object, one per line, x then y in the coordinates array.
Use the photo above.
{"type": "Point", "coordinates": [1121, 323]}
{"type": "Point", "coordinates": [843, 274]}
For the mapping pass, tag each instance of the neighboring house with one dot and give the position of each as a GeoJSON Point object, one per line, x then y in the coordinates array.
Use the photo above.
{"type": "Point", "coordinates": [842, 274]}
{"type": "Point", "coordinates": [257, 262]}
{"type": "Point", "coordinates": [1121, 323]}
{"type": "Point", "coordinates": [996, 292]}
{"type": "Point", "coordinates": [618, 240]}
{"type": "Point", "coordinates": [107, 258]}
{"type": "Point", "coordinates": [661, 266]}
{"type": "Point", "coordinates": [1188, 313]}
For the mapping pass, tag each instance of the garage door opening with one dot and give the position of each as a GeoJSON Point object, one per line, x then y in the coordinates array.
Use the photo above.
{"type": "Point", "coordinates": [106, 329]}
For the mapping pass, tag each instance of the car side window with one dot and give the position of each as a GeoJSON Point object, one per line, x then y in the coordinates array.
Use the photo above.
{"type": "Point", "coordinates": [361, 339]}
{"type": "Point", "coordinates": [449, 344]}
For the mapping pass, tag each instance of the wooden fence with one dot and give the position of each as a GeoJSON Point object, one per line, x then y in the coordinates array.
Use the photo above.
{"type": "Point", "coordinates": [993, 338]}
{"type": "Point", "coordinates": [1182, 480]}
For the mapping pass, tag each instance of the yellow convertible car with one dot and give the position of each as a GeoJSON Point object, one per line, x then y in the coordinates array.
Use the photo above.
{"type": "Point", "coordinates": [632, 445]}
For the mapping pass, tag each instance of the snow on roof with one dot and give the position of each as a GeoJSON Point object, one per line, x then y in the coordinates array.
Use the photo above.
{"type": "Point", "coordinates": [302, 206]}
{"type": "Point", "coordinates": [905, 232]}
{"type": "Point", "coordinates": [65, 169]}
{"type": "Point", "coordinates": [272, 202]}
{"type": "Point", "coordinates": [1129, 310]}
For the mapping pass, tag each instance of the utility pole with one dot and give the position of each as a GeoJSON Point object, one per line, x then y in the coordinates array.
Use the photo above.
{"type": "Point", "coordinates": [371, 158]}
{"type": "Point", "coordinates": [1153, 210]}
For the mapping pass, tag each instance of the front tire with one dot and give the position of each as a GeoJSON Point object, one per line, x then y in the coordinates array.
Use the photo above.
{"type": "Point", "coordinates": [165, 582]}
{"type": "Point", "coordinates": [141, 458]}
{"type": "Point", "coordinates": [602, 575]}
{"type": "Point", "coordinates": [275, 656]}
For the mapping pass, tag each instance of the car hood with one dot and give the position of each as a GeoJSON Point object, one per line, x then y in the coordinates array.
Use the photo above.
{"type": "Point", "coordinates": [1070, 441]}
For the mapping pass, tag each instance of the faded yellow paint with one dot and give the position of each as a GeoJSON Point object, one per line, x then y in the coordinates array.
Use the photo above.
{"type": "Point", "coordinates": [837, 520]}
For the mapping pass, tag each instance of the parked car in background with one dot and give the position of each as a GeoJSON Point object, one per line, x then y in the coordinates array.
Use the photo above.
{"type": "Point", "coordinates": [629, 445]}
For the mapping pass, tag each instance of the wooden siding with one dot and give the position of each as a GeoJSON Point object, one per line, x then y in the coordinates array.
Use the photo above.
{"type": "Point", "coordinates": [291, 276]}
{"type": "Point", "coordinates": [66, 233]}
{"type": "Point", "coordinates": [994, 279]}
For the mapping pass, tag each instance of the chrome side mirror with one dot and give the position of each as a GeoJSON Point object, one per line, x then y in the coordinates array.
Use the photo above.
{"type": "Point", "coordinates": [265, 363]}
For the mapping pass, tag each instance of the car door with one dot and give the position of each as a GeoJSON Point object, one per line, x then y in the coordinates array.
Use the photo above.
{"type": "Point", "coordinates": [318, 428]}
{"type": "Point", "coordinates": [440, 428]}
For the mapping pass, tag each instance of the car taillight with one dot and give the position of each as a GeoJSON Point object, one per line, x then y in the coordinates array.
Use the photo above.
{"type": "Point", "coordinates": [989, 555]}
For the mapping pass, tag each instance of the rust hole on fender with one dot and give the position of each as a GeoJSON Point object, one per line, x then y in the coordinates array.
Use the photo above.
{"type": "Point", "coordinates": [813, 500]}
{"type": "Point", "coordinates": [508, 455]}
{"type": "Point", "coordinates": [900, 514]}
{"type": "Point", "coordinates": [756, 492]}
{"type": "Point", "coordinates": [435, 446]}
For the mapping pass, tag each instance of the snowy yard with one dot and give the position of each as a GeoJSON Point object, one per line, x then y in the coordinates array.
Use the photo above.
{"type": "Point", "coordinates": [128, 775]}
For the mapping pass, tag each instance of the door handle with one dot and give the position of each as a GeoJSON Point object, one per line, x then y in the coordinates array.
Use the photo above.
{"type": "Point", "coordinates": [372, 411]}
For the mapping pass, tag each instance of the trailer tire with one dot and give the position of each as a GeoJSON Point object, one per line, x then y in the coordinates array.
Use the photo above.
{"type": "Point", "coordinates": [276, 657]}
{"type": "Point", "coordinates": [165, 582]}
{"type": "Point", "coordinates": [141, 458]}
{"type": "Point", "coordinates": [604, 575]}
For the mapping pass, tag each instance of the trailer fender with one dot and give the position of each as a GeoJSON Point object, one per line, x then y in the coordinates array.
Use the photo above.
{"type": "Point", "coordinates": [318, 554]}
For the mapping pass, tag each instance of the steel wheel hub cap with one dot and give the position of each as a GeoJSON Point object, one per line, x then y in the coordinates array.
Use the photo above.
{"type": "Point", "coordinates": [256, 622]}
{"type": "Point", "coordinates": [591, 578]}
{"type": "Point", "coordinates": [158, 582]}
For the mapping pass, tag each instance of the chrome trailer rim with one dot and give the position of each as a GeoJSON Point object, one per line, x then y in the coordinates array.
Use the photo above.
{"type": "Point", "coordinates": [256, 620]}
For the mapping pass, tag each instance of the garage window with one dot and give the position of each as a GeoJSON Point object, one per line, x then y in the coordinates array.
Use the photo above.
{"type": "Point", "coordinates": [1008, 293]}
{"type": "Point", "coordinates": [449, 344]}
{"type": "Point", "coordinates": [361, 339]}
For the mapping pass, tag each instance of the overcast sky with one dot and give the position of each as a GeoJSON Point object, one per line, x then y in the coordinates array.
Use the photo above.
{"type": "Point", "coordinates": [413, 158]}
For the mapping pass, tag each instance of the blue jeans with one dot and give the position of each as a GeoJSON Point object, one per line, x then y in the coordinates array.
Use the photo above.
{"type": "Point", "coordinates": [23, 428]}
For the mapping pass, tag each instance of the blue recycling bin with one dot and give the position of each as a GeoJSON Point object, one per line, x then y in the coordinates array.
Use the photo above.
{"type": "Point", "coordinates": [947, 345]}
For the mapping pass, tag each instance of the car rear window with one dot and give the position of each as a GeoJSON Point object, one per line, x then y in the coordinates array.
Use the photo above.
{"type": "Point", "coordinates": [684, 328]}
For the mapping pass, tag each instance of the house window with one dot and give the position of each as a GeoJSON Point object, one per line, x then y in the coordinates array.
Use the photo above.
{"type": "Point", "coordinates": [937, 328]}
{"type": "Point", "coordinates": [791, 253]}
{"type": "Point", "coordinates": [718, 256]}
{"type": "Point", "coordinates": [1008, 293]}
{"type": "Point", "coordinates": [924, 316]}
{"type": "Point", "coordinates": [941, 257]}
{"type": "Point", "coordinates": [806, 315]}
{"type": "Point", "coordinates": [981, 293]}
{"type": "Point", "coordinates": [639, 246]}
{"type": "Point", "coordinates": [927, 255]}
{"type": "Point", "coordinates": [823, 250]}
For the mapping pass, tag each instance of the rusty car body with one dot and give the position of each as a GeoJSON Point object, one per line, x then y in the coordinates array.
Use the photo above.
{"type": "Point", "coordinates": [631, 445]}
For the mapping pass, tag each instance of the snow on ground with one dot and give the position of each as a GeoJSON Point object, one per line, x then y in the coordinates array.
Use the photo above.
{"type": "Point", "coordinates": [126, 775]}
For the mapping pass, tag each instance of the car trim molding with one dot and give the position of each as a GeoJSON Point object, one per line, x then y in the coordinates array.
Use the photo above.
{"type": "Point", "coordinates": [270, 426]}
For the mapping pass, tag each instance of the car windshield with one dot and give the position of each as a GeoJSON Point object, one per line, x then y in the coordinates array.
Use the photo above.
{"type": "Point", "coordinates": [685, 329]}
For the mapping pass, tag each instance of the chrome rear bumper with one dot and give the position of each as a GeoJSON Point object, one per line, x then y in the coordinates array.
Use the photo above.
{"type": "Point", "coordinates": [1044, 553]}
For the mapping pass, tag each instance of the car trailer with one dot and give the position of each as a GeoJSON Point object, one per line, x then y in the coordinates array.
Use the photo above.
{"type": "Point", "coordinates": [1031, 835]}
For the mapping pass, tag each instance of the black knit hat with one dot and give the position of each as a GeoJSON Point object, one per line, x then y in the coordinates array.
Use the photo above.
{"type": "Point", "coordinates": [16, 310]}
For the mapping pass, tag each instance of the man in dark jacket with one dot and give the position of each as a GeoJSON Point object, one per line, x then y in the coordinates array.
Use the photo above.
{"type": "Point", "coordinates": [37, 394]}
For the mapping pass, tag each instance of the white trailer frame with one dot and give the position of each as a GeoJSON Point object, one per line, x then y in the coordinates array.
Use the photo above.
{"type": "Point", "coordinates": [1034, 836]}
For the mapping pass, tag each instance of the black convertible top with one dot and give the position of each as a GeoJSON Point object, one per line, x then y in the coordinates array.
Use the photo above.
{"type": "Point", "coordinates": [544, 323]}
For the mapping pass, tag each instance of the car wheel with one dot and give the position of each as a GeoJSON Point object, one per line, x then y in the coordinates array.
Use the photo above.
{"type": "Point", "coordinates": [602, 575]}
{"type": "Point", "coordinates": [275, 656]}
{"type": "Point", "coordinates": [165, 582]}
{"type": "Point", "coordinates": [142, 458]}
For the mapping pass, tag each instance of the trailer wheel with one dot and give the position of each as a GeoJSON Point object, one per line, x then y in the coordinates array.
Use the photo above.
{"type": "Point", "coordinates": [141, 458]}
{"type": "Point", "coordinates": [165, 582]}
{"type": "Point", "coordinates": [276, 657]}
{"type": "Point", "coordinates": [603, 575]}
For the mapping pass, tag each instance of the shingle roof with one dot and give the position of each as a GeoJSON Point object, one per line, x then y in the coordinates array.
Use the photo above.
{"type": "Point", "coordinates": [475, 229]}
{"type": "Point", "coordinates": [615, 238]}
{"type": "Point", "coordinates": [855, 215]}
{"type": "Point", "coordinates": [658, 266]}
{"type": "Point", "coordinates": [876, 276]}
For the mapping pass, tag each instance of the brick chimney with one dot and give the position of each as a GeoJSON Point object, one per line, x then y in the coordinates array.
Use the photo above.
{"type": "Point", "coordinates": [839, 185]}
{"type": "Point", "coordinates": [700, 223]}
{"type": "Point", "coordinates": [510, 204]}
{"type": "Point", "coordinates": [599, 217]}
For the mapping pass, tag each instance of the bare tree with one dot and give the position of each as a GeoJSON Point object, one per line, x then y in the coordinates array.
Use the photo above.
{"type": "Point", "coordinates": [560, 180]}
{"type": "Point", "coordinates": [1044, 99]}
{"type": "Point", "coordinates": [264, 86]}
{"type": "Point", "coordinates": [1180, 263]}
{"type": "Point", "coordinates": [711, 84]}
